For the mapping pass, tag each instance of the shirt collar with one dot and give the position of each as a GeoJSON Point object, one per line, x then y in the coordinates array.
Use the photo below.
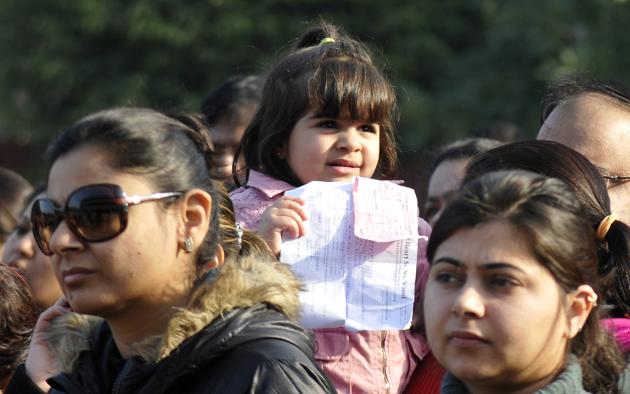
{"type": "Point", "coordinates": [271, 187]}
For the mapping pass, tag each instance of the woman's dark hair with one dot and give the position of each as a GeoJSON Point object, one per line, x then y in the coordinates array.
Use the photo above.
{"type": "Point", "coordinates": [463, 149]}
{"type": "Point", "coordinates": [170, 151]}
{"type": "Point", "coordinates": [13, 190]}
{"type": "Point", "coordinates": [334, 78]}
{"type": "Point", "coordinates": [559, 161]}
{"type": "Point", "coordinates": [18, 314]}
{"type": "Point", "coordinates": [234, 101]}
{"type": "Point", "coordinates": [546, 211]}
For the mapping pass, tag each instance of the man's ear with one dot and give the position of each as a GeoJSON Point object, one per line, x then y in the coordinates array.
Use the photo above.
{"type": "Point", "coordinates": [581, 303]}
{"type": "Point", "coordinates": [195, 212]}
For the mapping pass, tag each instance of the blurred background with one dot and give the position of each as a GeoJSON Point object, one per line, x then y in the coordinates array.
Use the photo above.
{"type": "Point", "coordinates": [461, 68]}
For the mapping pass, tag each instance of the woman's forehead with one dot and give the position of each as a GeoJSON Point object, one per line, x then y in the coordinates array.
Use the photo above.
{"type": "Point", "coordinates": [89, 165]}
{"type": "Point", "coordinates": [491, 242]}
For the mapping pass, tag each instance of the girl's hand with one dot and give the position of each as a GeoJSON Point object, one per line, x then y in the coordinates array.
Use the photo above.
{"type": "Point", "coordinates": [41, 362]}
{"type": "Point", "coordinates": [286, 214]}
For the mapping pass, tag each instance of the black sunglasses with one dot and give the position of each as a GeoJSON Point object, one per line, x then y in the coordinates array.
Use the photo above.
{"type": "Point", "coordinates": [94, 213]}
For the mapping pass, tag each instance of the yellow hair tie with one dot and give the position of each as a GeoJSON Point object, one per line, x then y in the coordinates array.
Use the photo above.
{"type": "Point", "coordinates": [326, 40]}
{"type": "Point", "coordinates": [604, 226]}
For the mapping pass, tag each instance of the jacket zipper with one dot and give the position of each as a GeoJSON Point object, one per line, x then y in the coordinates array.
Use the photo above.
{"type": "Point", "coordinates": [384, 354]}
{"type": "Point", "coordinates": [124, 372]}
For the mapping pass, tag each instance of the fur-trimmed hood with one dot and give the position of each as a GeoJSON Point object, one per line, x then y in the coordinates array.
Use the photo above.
{"type": "Point", "coordinates": [238, 284]}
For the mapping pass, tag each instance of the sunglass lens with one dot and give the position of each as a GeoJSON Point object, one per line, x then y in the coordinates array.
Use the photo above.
{"type": "Point", "coordinates": [96, 213]}
{"type": "Point", "coordinates": [45, 219]}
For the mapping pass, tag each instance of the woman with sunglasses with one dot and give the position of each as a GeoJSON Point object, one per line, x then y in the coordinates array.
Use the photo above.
{"type": "Point", "coordinates": [512, 300]}
{"type": "Point", "coordinates": [134, 227]}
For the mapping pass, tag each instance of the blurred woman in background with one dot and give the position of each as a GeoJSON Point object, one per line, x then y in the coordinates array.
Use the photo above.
{"type": "Point", "coordinates": [22, 253]}
{"type": "Point", "coordinates": [13, 191]}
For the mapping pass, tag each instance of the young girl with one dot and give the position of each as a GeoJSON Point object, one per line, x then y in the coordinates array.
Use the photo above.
{"type": "Point", "coordinates": [136, 232]}
{"type": "Point", "coordinates": [512, 299]}
{"type": "Point", "coordinates": [327, 114]}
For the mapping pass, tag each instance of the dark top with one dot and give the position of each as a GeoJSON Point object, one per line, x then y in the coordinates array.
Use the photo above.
{"type": "Point", "coordinates": [250, 350]}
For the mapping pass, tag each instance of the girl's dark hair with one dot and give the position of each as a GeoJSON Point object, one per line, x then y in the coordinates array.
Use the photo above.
{"type": "Point", "coordinates": [18, 314]}
{"type": "Point", "coordinates": [170, 151]}
{"type": "Point", "coordinates": [559, 161]}
{"type": "Point", "coordinates": [337, 78]}
{"type": "Point", "coordinates": [546, 211]}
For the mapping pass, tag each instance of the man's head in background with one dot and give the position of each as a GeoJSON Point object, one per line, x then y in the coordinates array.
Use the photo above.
{"type": "Point", "coordinates": [593, 118]}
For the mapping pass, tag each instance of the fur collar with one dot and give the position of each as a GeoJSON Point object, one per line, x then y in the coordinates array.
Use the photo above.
{"type": "Point", "coordinates": [239, 283]}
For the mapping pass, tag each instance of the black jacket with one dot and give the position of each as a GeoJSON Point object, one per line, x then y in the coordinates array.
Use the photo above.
{"type": "Point", "coordinates": [252, 349]}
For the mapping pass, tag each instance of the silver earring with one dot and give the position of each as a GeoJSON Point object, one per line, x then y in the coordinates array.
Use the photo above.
{"type": "Point", "coordinates": [239, 233]}
{"type": "Point", "coordinates": [188, 244]}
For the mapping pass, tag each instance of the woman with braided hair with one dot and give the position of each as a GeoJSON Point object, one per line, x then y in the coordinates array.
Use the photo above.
{"type": "Point", "coordinates": [18, 314]}
{"type": "Point", "coordinates": [139, 237]}
{"type": "Point", "coordinates": [513, 296]}
{"type": "Point", "coordinates": [613, 249]}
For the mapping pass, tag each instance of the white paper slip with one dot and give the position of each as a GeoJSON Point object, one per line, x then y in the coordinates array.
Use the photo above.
{"type": "Point", "coordinates": [358, 257]}
{"type": "Point", "coordinates": [384, 211]}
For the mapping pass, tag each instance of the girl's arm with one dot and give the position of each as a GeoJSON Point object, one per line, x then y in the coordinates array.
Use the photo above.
{"type": "Point", "coordinates": [287, 214]}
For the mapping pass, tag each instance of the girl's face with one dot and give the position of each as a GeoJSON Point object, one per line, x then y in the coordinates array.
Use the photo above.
{"type": "Point", "coordinates": [494, 315]}
{"type": "Point", "coordinates": [22, 253]}
{"type": "Point", "coordinates": [140, 270]}
{"type": "Point", "coordinates": [329, 149]}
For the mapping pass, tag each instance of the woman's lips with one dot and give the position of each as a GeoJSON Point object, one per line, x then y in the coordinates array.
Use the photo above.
{"type": "Point", "coordinates": [466, 339]}
{"type": "Point", "coordinates": [75, 275]}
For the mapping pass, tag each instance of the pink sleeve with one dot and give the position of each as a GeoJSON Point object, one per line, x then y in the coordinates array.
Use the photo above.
{"type": "Point", "coordinates": [249, 205]}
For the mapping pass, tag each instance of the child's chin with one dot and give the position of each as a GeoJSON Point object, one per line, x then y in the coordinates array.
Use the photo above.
{"type": "Point", "coordinates": [343, 179]}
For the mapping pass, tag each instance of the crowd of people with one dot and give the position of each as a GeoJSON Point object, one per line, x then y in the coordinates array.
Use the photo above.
{"type": "Point", "coordinates": [151, 260]}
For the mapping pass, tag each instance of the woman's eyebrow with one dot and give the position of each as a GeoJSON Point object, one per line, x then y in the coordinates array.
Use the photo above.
{"type": "Point", "coordinates": [485, 267]}
{"type": "Point", "coordinates": [449, 260]}
{"type": "Point", "coordinates": [499, 265]}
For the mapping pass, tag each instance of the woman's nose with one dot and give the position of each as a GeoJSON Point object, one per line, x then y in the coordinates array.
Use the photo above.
{"type": "Point", "coordinates": [63, 240]}
{"type": "Point", "coordinates": [469, 302]}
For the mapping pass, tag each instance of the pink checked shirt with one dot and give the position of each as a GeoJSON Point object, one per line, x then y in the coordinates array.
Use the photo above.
{"type": "Point", "coordinates": [363, 362]}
